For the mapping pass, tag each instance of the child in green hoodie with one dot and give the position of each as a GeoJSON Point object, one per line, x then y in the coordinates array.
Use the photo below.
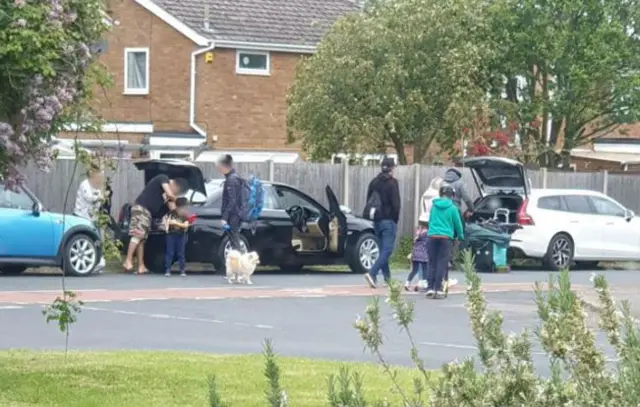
{"type": "Point", "coordinates": [445, 224]}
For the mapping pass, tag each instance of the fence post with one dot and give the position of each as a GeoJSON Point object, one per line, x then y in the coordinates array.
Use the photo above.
{"type": "Point", "coordinates": [271, 171]}
{"type": "Point", "coordinates": [417, 195]}
{"type": "Point", "coordinates": [544, 177]}
{"type": "Point", "coordinates": [345, 182]}
{"type": "Point", "coordinates": [605, 183]}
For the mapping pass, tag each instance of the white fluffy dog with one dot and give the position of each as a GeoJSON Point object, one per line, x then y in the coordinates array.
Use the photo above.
{"type": "Point", "coordinates": [241, 266]}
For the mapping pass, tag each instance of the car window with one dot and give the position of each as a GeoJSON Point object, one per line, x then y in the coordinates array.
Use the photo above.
{"type": "Point", "coordinates": [553, 203]}
{"type": "Point", "coordinates": [288, 198]}
{"type": "Point", "coordinates": [270, 202]}
{"type": "Point", "coordinates": [578, 204]}
{"type": "Point", "coordinates": [14, 200]}
{"type": "Point", "coordinates": [607, 207]}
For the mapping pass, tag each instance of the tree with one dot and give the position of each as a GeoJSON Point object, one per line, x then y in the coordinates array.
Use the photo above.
{"type": "Point", "coordinates": [401, 73]}
{"type": "Point", "coordinates": [45, 75]}
{"type": "Point", "coordinates": [571, 65]}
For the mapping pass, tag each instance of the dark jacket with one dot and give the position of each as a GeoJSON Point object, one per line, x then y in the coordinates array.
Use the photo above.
{"type": "Point", "coordinates": [231, 199]}
{"type": "Point", "coordinates": [453, 178]}
{"type": "Point", "coordinates": [389, 191]}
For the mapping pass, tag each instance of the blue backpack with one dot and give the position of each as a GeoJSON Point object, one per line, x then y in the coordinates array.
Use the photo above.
{"type": "Point", "coordinates": [252, 199]}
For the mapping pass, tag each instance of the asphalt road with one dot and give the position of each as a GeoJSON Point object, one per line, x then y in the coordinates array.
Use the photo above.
{"type": "Point", "coordinates": [300, 326]}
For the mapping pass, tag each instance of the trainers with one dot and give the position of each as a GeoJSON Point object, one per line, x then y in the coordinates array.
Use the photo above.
{"type": "Point", "coordinates": [167, 274]}
{"type": "Point", "coordinates": [407, 286]}
{"type": "Point", "coordinates": [183, 274]}
{"type": "Point", "coordinates": [430, 293]}
{"type": "Point", "coordinates": [369, 280]}
{"type": "Point", "coordinates": [452, 282]}
{"type": "Point", "coordinates": [440, 294]}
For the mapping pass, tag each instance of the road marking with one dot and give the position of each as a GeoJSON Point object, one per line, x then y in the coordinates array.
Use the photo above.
{"type": "Point", "coordinates": [177, 318]}
{"type": "Point", "coordinates": [10, 307]}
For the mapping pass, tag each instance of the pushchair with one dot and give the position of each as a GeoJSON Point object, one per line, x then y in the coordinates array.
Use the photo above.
{"type": "Point", "coordinates": [489, 241]}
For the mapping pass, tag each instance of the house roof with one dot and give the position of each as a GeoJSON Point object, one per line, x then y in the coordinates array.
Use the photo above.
{"type": "Point", "coordinates": [615, 157]}
{"type": "Point", "coordinates": [300, 23]}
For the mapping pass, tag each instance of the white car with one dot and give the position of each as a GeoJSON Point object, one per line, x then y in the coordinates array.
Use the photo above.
{"type": "Point", "coordinates": [558, 226]}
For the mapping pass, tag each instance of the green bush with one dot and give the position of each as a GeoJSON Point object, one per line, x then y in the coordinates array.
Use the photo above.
{"type": "Point", "coordinates": [507, 377]}
{"type": "Point", "coordinates": [402, 250]}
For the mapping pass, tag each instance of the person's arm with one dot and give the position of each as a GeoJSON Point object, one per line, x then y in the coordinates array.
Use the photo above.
{"type": "Point", "coordinates": [457, 224]}
{"type": "Point", "coordinates": [369, 191]}
{"type": "Point", "coordinates": [167, 188]}
{"type": "Point", "coordinates": [232, 189]}
{"type": "Point", "coordinates": [395, 200]}
{"type": "Point", "coordinates": [466, 198]}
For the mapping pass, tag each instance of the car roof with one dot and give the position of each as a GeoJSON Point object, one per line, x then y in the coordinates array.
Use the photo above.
{"type": "Point", "coordinates": [561, 191]}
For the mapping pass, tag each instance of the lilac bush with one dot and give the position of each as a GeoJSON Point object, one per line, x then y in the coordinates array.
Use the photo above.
{"type": "Point", "coordinates": [46, 69]}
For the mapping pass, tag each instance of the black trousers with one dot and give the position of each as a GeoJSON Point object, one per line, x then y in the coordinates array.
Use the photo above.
{"type": "Point", "coordinates": [439, 250]}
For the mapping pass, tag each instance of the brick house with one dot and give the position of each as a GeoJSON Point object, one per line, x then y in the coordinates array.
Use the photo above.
{"type": "Point", "coordinates": [616, 151]}
{"type": "Point", "coordinates": [195, 79]}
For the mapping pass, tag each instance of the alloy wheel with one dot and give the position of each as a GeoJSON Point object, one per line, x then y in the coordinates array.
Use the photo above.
{"type": "Point", "coordinates": [368, 253]}
{"type": "Point", "coordinates": [561, 252]}
{"type": "Point", "coordinates": [82, 256]}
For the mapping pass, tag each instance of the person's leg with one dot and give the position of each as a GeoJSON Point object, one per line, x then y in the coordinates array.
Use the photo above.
{"type": "Point", "coordinates": [181, 248]}
{"type": "Point", "coordinates": [372, 275]}
{"type": "Point", "coordinates": [142, 268]}
{"type": "Point", "coordinates": [386, 241]}
{"type": "Point", "coordinates": [415, 266]}
{"type": "Point", "coordinates": [432, 250]}
{"type": "Point", "coordinates": [133, 245]}
{"type": "Point", "coordinates": [392, 229]}
{"type": "Point", "coordinates": [169, 254]}
{"type": "Point", "coordinates": [444, 254]}
{"type": "Point", "coordinates": [136, 232]}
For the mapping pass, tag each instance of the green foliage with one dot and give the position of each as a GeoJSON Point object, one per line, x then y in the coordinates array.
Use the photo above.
{"type": "Point", "coordinates": [64, 311]}
{"type": "Point", "coordinates": [276, 397]}
{"type": "Point", "coordinates": [215, 400]}
{"type": "Point", "coordinates": [402, 251]}
{"type": "Point", "coordinates": [346, 389]}
{"type": "Point", "coordinates": [578, 62]}
{"type": "Point", "coordinates": [400, 74]}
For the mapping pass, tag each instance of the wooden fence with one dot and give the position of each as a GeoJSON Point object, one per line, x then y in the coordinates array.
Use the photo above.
{"type": "Point", "coordinates": [349, 183]}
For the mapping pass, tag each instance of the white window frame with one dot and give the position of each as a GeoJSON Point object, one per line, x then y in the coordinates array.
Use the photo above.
{"type": "Point", "coordinates": [249, 71]}
{"type": "Point", "coordinates": [136, 91]}
{"type": "Point", "coordinates": [157, 154]}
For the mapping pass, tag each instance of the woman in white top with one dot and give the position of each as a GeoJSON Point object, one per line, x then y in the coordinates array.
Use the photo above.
{"type": "Point", "coordinates": [89, 198]}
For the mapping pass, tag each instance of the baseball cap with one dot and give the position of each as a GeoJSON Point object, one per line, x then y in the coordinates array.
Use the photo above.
{"type": "Point", "coordinates": [388, 163]}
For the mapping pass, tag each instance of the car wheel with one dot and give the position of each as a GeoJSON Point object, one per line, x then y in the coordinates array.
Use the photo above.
{"type": "Point", "coordinates": [12, 270]}
{"type": "Point", "coordinates": [559, 253]}
{"type": "Point", "coordinates": [223, 250]}
{"type": "Point", "coordinates": [364, 253]}
{"type": "Point", "coordinates": [80, 256]}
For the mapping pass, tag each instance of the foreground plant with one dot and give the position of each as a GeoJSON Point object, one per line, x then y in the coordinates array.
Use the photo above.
{"type": "Point", "coordinates": [506, 375]}
{"type": "Point", "coordinates": [64, 311]}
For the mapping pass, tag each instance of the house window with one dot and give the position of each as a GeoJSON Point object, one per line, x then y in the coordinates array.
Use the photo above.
{"type": "Point", "coordinates": [172, 155]}
{"type": "Point", "coordinates": [136, 71]}
{"type": "Point", "coordinates": [252, 63]}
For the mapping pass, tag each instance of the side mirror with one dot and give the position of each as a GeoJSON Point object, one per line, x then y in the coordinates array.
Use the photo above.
{"type": "Point", "coordinates": [197, 198]}
{"type": "Point", "coordinates": [36, 209]}
{"type": "Point", "coordinates": [628, 215]}
{"type": "Point", "coordinates": [345, 209]}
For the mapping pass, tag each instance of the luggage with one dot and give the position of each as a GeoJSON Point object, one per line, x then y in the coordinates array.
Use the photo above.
{"type": "Point", "coordinates": [488, 243]}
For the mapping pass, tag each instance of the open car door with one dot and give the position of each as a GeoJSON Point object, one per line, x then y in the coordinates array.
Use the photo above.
{"type": "Point", "coordinates": [338, 229]}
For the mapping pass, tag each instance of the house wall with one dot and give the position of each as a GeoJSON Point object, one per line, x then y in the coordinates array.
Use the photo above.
{"type": "Point", "coordinates": [167, 104]}
{"type": "Point", "coordinates": [244, 111]}
{"type": "Point", "coordinates": [586, 164]}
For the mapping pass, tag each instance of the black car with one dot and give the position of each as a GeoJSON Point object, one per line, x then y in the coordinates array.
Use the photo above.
{"type": "Point", "coordinates": [293, 231]}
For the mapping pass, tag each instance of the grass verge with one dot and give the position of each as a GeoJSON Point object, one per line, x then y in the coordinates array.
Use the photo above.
{"type": "Point", "coordinates": [167, 379]}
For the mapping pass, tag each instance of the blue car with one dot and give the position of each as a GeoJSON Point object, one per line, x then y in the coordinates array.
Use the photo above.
{"type": "Point", "coordinates": [30, 236]}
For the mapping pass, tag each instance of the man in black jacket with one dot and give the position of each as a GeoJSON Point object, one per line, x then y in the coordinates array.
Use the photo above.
{"type": "Point", "coordinates": [386, 220]}
{"type": "Point", "coordinates": [231, 200]}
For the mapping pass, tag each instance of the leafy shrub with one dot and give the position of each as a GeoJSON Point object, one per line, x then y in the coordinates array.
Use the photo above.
{"type": "Point", "coordinates": [507, 377]}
